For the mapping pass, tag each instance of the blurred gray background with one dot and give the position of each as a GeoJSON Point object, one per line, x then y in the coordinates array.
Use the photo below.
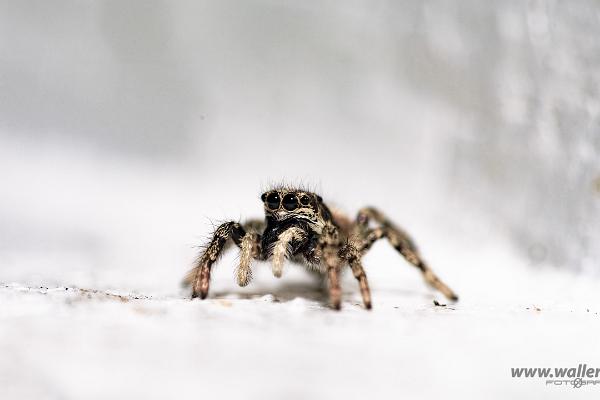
{"type": "Point", "coordinates": [127, 127]}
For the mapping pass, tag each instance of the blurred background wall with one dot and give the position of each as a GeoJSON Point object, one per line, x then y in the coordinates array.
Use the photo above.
{"type": "Point", "coordinates": [126, 126]}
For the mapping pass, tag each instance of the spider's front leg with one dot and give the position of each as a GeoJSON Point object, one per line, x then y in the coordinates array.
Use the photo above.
{"type": "Point", "coordinates": [333, 264]}
{"type": "Point", "coordinates": [401, 242]}
{"type": "Point", "coordinates": [249, 244]}
{"type": "Point", "coordinates": [352, 255]}
{"type": "Point", "coordinates": [329, 245]}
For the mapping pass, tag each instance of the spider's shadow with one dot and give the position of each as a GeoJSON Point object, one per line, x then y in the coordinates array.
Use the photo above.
{"type": "Point", "coordinates": [285, 292]}
{"type": "Point", "coordinates": [310, 291]}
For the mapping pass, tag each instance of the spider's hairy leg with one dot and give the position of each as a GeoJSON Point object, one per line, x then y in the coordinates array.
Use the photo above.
{"type": "Point", "coordinates": [352, 254]}
{"type": "Point", "coordinates": [282, 248]}
{"type": "Point", "coordinates": [333, 263]}
{"type": "Point", "coordinates": [367, 214]}
{"type": "Point", "coordinates": [200, 278]}
{"type": "Point", "coordinates": [248, 242]}
{"type": "Point", "coordinates": [402, 243]}
{"type": "Point", "coordinates": [249, 248]}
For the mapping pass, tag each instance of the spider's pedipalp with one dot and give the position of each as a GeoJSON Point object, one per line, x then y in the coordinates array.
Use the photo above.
{"type": "Point", "coordinates": [282, 248]}
{"type": "Point", "coordinates": [249, 248]}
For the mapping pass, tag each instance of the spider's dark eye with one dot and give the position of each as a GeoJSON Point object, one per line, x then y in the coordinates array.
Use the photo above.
{"type": "Point", "coordinates": [273, 200]}
{"type": "Point", "coordinates": [290, 202]}
{"type": "Point", "coordinates": [304, 200]}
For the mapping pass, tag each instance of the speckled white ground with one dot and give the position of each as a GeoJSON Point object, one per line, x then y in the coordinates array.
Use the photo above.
{"type": "Point", "coordinates": [119, 236]}
{"type": "Point", "coordinates": [276, 339]}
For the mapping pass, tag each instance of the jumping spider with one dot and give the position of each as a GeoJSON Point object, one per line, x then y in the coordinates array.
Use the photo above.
{"type": "Point", "coordinates": [300, 227]}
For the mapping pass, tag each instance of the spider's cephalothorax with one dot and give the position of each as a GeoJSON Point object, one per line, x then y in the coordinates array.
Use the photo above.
{"type": "Point", "coordinates": [300, 227]}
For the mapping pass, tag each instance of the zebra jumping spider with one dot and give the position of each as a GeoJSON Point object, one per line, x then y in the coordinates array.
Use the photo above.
{"type": "Point", "coordinates": [300, 227]}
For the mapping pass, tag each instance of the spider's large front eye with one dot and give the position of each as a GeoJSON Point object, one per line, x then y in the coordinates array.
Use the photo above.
{"type": "Point", "coordinates": [290, 202]}
{"type": "Point", "coordinates": [273, 200]}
